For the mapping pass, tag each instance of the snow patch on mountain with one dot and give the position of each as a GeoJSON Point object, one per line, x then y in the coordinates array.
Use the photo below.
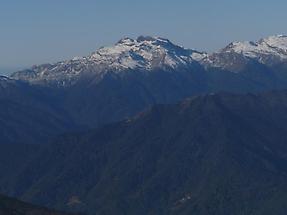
{"type": "Point", "coordinates": [4, 78]}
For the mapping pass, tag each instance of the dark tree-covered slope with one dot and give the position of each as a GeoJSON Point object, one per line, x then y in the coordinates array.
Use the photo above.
{"type": "Point", "coordinates": [215, 154]}
{"type": "Point", "coordinates": [10, 206]}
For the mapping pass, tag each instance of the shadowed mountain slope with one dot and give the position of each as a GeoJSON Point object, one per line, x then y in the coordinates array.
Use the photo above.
{"type": "Point", "coordinates": [214, 154]}
{"type": "Point", "coordinates": [10, 206]}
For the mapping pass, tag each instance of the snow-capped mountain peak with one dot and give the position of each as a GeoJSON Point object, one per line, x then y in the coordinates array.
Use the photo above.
{"type": "Point", "coordinates": [273, 46]}
{"type": "Point", "coordinates": [144, 53]}
{"type": "Point", "coordinates": [268, 51]}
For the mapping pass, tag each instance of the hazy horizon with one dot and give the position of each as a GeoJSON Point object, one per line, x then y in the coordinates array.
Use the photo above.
{"type": "Point", "coordinates": [34, 32]}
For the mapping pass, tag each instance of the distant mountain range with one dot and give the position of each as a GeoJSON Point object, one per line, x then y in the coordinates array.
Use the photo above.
{"type": "Point", "coordinates": [117, 82]}
{"type": "Point", "coordinates": [152, 54]}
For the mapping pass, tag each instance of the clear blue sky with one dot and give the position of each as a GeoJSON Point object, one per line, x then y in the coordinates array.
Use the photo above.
{"type": "Point", "coordinates": [40, 31]}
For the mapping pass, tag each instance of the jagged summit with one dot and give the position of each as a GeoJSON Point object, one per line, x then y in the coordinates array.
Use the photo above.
{"type": "Point", "coordinates": [268, 51]}
{"type": "Point", "coordinates": [144, 53]}
{"type": "Point", "coordinates": [273, 46]}
{"type": "Point", "coordinates": [273, 43]}
{"type": "Point", "coordinates": [142, 39]}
